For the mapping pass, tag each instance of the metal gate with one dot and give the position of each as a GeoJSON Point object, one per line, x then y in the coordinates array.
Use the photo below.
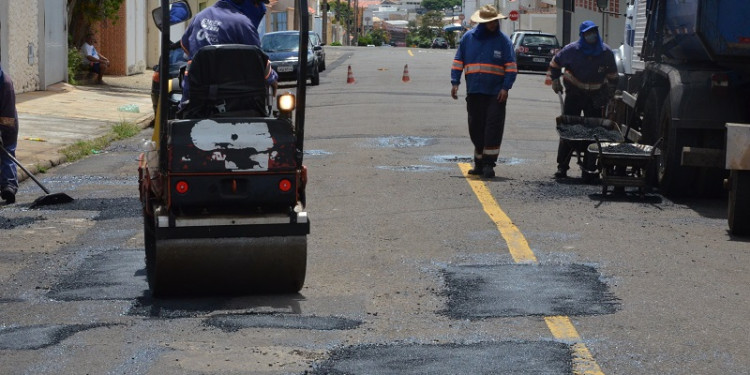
{"type": "Point", "coordinates": [55, 43]}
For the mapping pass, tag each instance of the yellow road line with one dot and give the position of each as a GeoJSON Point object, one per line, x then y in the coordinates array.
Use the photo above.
{"type": "Point", "coordinates": [560, 326]}
{"type": "Point", "coordinates": [519, 248]}
{"type": "Point", "coordinates": [410, 54]}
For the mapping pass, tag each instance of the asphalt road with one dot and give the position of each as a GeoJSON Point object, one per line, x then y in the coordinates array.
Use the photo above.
{"type": "Point", "coordinates": [412, 268]}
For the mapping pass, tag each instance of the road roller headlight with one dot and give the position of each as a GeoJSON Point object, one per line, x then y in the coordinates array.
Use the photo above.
{"type": "Point", "coordinates": [286, 102]}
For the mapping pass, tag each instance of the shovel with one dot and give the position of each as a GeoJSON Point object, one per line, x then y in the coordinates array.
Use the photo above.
{"type": "Point", "coordinates": [48, 198]}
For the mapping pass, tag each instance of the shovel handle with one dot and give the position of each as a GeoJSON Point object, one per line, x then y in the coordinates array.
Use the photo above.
{"type": "Point", "coordinates": [24, 169]}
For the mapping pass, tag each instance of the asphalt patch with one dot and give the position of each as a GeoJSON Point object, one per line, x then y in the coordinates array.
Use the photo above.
{"type": "Point", "coordinates": [40, 336]}
{"type": "Point", "coordinates": [12, 223]}
{"type": "Point", "coordinates": [410, 168]}
{"type": "Point", "coordinates": [175, 308]}
{"type": "Point", "coordinates": [511, 290]}
{"type": "Point", "coordinates": [108, 208]}
{"type": "Point", "coordinates": [112, 275]}
{"type": "Point", "coordinates": [235, 322]}
{"type": "Point", "coordinates": [404, 142]}
{"type": "Point", "coordinates": [505, 357]}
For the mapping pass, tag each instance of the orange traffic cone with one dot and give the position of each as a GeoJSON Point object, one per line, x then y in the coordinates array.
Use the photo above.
{"type": "Point", "coordinates": [406, 78]}
{"type": "Point", "coordinates": [350, 76]}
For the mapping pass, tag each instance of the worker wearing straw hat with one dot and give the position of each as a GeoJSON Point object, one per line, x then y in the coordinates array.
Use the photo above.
{"type": "Point", "coordinates": [486, 58]}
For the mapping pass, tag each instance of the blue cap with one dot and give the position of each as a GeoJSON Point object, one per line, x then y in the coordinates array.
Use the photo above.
{"type": "Point", "coordinates": [586, 26]}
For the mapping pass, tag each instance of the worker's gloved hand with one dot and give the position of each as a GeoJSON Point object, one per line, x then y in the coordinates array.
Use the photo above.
{"type": "Point", "coordinates": [611, 91]}
{"type": "Point", "coordinates": [557, 86]}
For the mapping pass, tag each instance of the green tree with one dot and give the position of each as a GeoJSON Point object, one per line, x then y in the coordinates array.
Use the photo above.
{"type": "Point", "coordinates": [342, 13]}
{"type": "Point", "coordinates": [439, 4]}
{"type": "Point", "coordinates": [82, 14]}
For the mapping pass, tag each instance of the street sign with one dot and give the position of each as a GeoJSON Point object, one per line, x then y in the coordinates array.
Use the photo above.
{"type": "Point", "coordinates": [513, 15]}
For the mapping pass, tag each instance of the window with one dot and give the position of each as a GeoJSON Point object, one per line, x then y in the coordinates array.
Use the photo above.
{"type": "Point", "coordinates": [278, 21]}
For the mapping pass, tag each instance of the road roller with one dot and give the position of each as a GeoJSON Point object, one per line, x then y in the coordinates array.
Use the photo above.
{"type": "Point", "coordinates": [222, 186]}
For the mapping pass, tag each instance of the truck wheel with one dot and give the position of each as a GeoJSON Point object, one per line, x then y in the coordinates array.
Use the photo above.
{"type": "Point", "coordinates": [650, 127]}
{"type": "Point", "coordinates": [674, 179]}
{"type": "Point", "coordinates": [739, 203]}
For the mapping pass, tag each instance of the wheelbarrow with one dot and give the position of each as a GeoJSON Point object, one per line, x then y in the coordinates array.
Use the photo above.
{"type": "Point", "coordinates": [624, 164]}
{"type": "Point", "coordinates": [578, 133]}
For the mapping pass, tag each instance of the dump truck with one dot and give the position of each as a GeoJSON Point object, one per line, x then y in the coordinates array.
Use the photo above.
{"type": "Point", "coordinates": [222, 186]}
{"type": "Point", "coordinates": [685, 81]}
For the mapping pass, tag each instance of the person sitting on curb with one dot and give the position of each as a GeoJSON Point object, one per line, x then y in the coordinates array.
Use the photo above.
{"type": "Point", "coordinates": [96, 61]}
{"type": "Point", "coordinates": [8, 138]}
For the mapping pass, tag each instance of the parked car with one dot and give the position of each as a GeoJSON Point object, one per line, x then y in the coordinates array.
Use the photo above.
{"type": "Point", "coordinates": [440, 43]}
{"type": "Point", "coordinates": [534, 50]}
{"type": "Point", "coordinates": [320, 53]}
{"type": "Point", "coordinates": [282, 48]}
{"type": "Point", "coordinates": [177, 61]}
{"type": "Point", "coordinates": [516, 33]}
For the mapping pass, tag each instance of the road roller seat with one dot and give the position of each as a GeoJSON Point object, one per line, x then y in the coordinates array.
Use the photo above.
{"type": "Point", "coordinates": [227, 80]}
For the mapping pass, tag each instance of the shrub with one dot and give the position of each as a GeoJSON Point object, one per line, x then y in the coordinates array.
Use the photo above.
{"type": "Point", "coordinates": [75, 61]}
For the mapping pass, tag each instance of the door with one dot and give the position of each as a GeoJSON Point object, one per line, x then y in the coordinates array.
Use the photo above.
{"type": "Point", "coordinates": [55, 43]}
{"type": "Point", "coordinates": [136, 36]}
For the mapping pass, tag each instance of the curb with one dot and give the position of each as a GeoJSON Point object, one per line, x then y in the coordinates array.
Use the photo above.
{"type": "Point", "coordinates": [142, 123]}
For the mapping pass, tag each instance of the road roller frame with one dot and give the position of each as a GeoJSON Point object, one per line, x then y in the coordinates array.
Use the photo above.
{"type": "Point", "coordinates": [223, 195]}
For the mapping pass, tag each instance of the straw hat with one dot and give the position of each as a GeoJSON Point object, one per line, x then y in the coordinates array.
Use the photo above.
{"type": "Point", "coordinates": [486, 14]}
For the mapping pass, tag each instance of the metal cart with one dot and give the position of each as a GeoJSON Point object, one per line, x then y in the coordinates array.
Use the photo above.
{"type": "Point", "coordinates": [581, 132]}
{"type": "Point", "coordinates": [624, 164]}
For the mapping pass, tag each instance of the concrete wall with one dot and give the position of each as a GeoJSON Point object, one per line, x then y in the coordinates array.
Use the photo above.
{"type": "Point", "coordinates": [20, 36]}
{"type": "Point", "coordinates": [611, 26]}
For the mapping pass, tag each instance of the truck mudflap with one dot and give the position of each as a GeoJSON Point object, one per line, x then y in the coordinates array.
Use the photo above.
{"type": "Point", "coordinates": [738, 147]}
{"type": "Point", "coordinates": [228, 266]}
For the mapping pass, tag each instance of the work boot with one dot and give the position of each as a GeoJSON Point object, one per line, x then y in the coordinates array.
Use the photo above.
{"type": "Point", "coordinates": [477, 170]}
{"type": "Point", "coordinates": [8, 194]}
{"type": "Point", "coordinates": [561, 172]}
{"type": "Point", "coordinates": [488, 171]}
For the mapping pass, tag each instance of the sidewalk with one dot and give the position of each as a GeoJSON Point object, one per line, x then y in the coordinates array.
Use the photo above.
{"type": "Point", "coordinates": [65, 114]}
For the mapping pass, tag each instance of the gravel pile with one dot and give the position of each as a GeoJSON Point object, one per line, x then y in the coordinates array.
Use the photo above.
{"type": "Point", "coordinates": [579, 131]}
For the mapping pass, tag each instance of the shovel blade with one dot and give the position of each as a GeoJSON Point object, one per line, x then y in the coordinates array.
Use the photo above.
{"type": "Point", "coordinates": [49, 199]}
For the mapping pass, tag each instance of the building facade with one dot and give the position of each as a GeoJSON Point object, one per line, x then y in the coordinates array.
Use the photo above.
{"type": "Point", "coordinates": [34, 43]}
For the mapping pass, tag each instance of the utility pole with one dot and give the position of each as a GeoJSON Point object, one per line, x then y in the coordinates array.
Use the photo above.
{"type": "Point", "coordinates": [325, 22]}
{"type": "Point", "coordinates": [348, 22]}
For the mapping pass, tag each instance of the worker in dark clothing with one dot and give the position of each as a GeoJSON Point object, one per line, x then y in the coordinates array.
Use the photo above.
{"type": "Point", "coordinates": [590, 79]}
{"type": "Point", "coordinates": [9, 136]}
{"type": "Point", "coordinates": [226, 22]}
{"type": "Point", "coordinates": [485, 56]}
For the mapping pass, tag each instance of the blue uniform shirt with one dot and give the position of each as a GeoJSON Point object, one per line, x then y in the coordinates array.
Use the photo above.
{"type": "Point", "coordinates": [487, 60]}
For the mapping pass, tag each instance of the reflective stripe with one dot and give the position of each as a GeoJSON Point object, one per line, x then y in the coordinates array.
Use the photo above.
{"type": "Point", "coordinates": [8, 121]}
{"type": "Point", "coordinates": [457, 65]}
{"type": "Point", "coordinates": [568, 76]}
{"type": "Point", "coordinates": [485, 68]}
{"type": "Point", "coordinates": [511, 67]}
{"type": "Point", "coordinates": [491, 151]}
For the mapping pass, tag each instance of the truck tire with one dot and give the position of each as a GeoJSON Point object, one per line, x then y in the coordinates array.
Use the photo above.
{"type": "Point", "coordinates": [650, 127]}
{"type": "Point", "coordinates": [674, 179]}
{"type": "Point", "coordinates": [739, 203]}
